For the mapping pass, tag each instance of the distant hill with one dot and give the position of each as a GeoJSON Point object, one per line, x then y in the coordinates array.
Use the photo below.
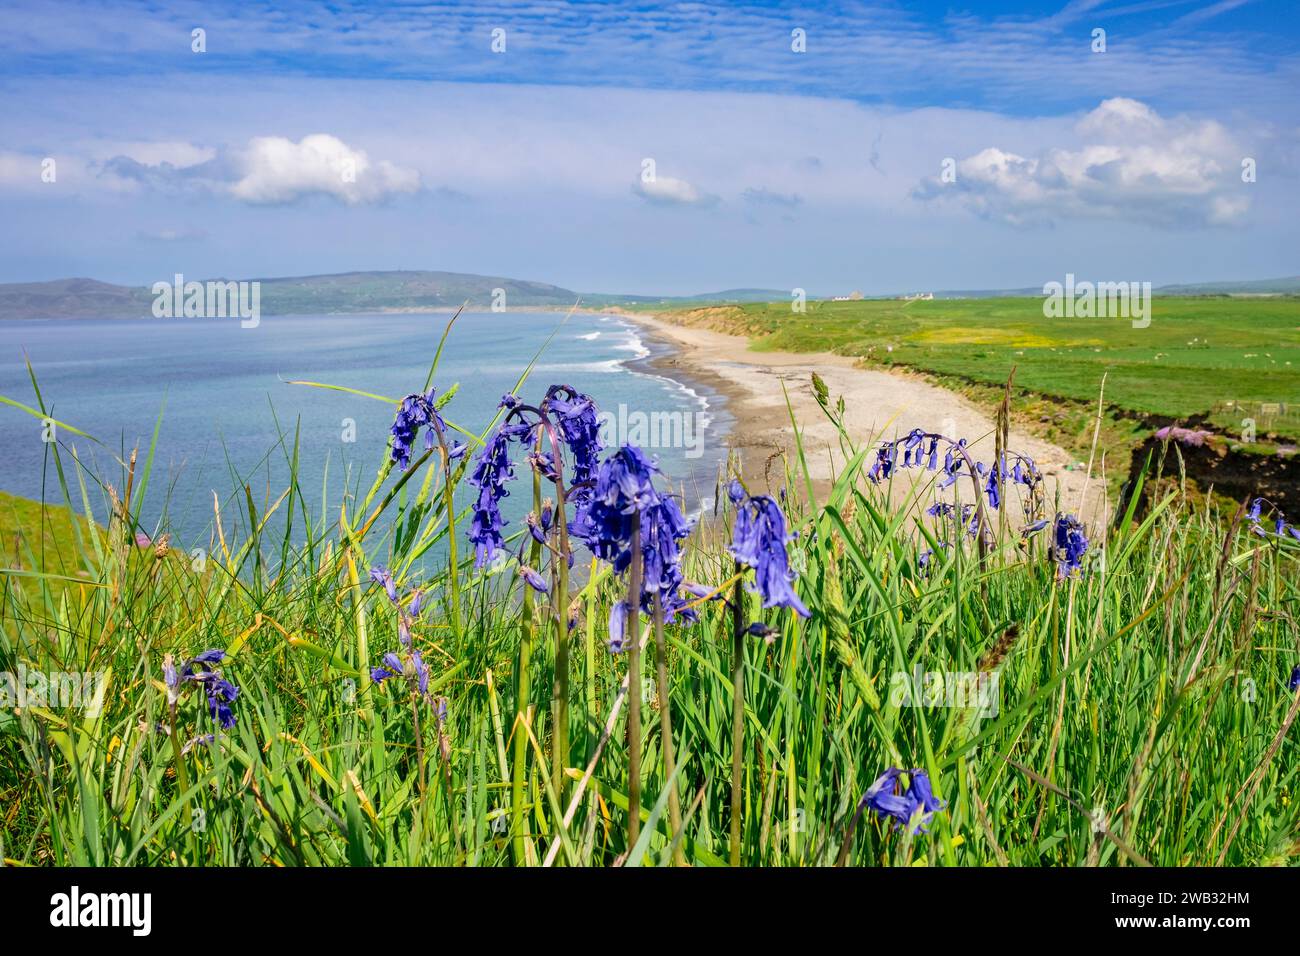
{"type": "Point", "coordinates": [341, 292]}
{"type": "Point", "coordinates": [599, 300]}
{"type": "Point", "coordinates": [1287, 286]}
{"type": "Point", "coordinates": [422, 290]}
{"type": "Point", "coordinates": [344, 292]}
{"type": "Point", "coordinates": [66, 298]}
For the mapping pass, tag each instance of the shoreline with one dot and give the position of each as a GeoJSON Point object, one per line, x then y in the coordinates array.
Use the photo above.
{"type": "Point", "coordinates": [879, 404]}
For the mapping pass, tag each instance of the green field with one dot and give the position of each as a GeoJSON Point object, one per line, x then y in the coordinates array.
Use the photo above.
{"type": "Point", "coordinates": [1197, 355]}
{"type": "Point", "coordinates": [39, 542]}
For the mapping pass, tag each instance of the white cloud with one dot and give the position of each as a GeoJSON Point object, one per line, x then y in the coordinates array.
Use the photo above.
{"type": "Point", "coordinates": [1128, 162]}
{"type": "Point", "coordinates": [19, 170]}
{"type": "Point", "coordinates": [276, 170]}
{"type": "Point", "coordinates": [668, 191]}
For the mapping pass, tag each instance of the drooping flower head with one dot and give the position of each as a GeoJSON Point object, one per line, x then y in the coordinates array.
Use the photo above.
{"type": "Point", "coordinates": [624, 488]}
{"type": "Point", "coordinates": [912, 808]}
{"type": "Point", "coordinates": [412, 668]}
{"type": "Point", "coordinates": [623, 498]}
{"type": "Point", "coordinates": [1069, 545]}
{"type": "Point", "coordinates": [663, 529]}
{"type": "Point", "coordinates": [1294, 683]}
{"type": "Point", "coordinates": [171, 679]}
{"type": "Point", "coordinates": [492, 469]}
{"type": "Point", "coordinates": [577, 420]}
{"type": "Point", "coordinates": [383, 577]}
{"type": "Point", "coordinates": [758, 540]}
{"type": "Point", "coordinates": [1281, 527]}
{"type": "Point", "coordinates": [202, 670]}
{"type": "Point", "coordinates": [569, 416]}
{"type": "Point", "coordinates": [618, 627]}
{"type": "Point", "coordinates": [409, 664]}
{"type": "Point", "coordinates": [415, 412]}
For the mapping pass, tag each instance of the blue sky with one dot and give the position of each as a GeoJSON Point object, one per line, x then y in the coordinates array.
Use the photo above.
{"type": "Point", "coordinates": [309, 139]}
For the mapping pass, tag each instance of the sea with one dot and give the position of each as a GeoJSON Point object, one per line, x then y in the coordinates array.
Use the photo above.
{"type": "Point", "coordinates": [227, 413]}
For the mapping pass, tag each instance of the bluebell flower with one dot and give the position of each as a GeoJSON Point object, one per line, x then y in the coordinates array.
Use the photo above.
{"type": "Point", "coordinates": [703, 591]}
{"type": "Point", "coordinates": [578, 421]}
{"type": "Point", "coordinates": [221, 694]}
{"type": "Point", "coordinates": [543, 462]}
{"type": "Point", "coordinates": [171, 680]}
{"type": "Point", "coordinates": [992, 488]}
{"type": "Point", "coordinates": [383, 577]}
{"type": "Point", "coordinates": [883, 466]}
{"type": "Point", "coordinates": [663, 529]}
{"type": "Point", "coordinates": [206, 659]}
{"type": "Point", "coordinates": [393, 668]}
{"type": "Point", "coordinates": [202, 740]}
{"type": "Point", "coordinates": [1281, 527]}
{"type": "Point", "coordinates": [913, 808]}
{"type": "Point", "coordinates": [1034, 528]}
{"type": "Point", "coordinates": [202, 670]}
{"type": "Point", "coordinates": [759, 540]}
{"type": "Point", "coordinates": [1294, 683]}
{"type": "Point", "coordinates": [534, 580]}
{"type": "Point", "coordinates": [492, 469]}
{"type": "Point", "coordinates": [414, 412]}
{"type": "Point", "coordinates": [881, 799]}
{"type": "Point", "coordinates": [406, 616]}
{"type": "Point", "coordinates": [618, 627]}
{"type": "Point", "coordinates": [413, 669]}
{"type": "Point", "coordinates": [622, 497]}
{"type": "Point", "coordinates": [624, 487]}
{"type": "Point", "coordinates": [421, 674]}
{"type": "Point", "coordinates": [1068, 545]}
{"type": "Point", "coordinates": [924, 803]}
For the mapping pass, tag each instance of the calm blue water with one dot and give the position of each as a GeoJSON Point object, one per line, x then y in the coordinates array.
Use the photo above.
{"type": "Point", "coordinates": [227, 400]}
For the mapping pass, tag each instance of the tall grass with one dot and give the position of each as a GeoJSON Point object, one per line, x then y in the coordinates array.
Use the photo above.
{"type": "Point", "coordinates": [1143, 713]}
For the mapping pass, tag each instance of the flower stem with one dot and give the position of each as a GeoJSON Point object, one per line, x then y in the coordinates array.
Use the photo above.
{"type": "Point", "coordinates": [633, 632]}
{"type": "Point", "coordinates": [666, 733]}
{"type": "Point", "coordinates": [560, 684]}
{"type": "Point", "coordinates": [453, 562]}
{"type": "Point", "coordinates": [737, 712]}
{"type": "Point", "coordinates": [518, 771]}
{"type": "Point", "coordinates": [183, 781]}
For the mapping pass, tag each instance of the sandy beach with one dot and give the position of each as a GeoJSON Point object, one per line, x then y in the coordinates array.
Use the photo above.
{"type": "Point", "coordinates": [879, 404]}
